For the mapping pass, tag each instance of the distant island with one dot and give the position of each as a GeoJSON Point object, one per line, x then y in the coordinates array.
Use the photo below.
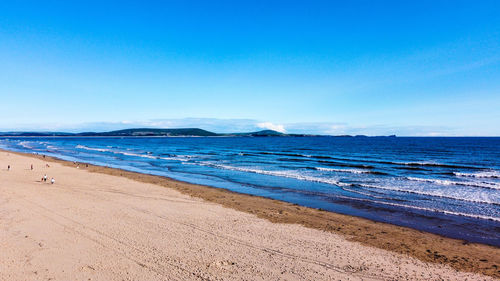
{"type": "Point", "coordinates": [156, 132]}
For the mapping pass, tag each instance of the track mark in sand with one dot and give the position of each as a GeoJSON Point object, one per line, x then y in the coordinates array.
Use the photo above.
{"type": "Point", "coordinates": [149, 197]}
{"type": "Point", "coordinates": [344, 270]}
{"type": "Point", "coordinates": [113, 191]}
{"type": "Point", "coordinates": [156, 269]}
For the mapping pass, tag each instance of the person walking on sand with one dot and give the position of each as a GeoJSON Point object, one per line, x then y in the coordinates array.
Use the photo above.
{"type": "Point", "coordinates": [52, 181]}
{"type": "Point", "coordinates": [32, 167]}
{"type": "Point", "coordinates": [45, 177]}
{"type": "Point", "coordinates": [8, 167]}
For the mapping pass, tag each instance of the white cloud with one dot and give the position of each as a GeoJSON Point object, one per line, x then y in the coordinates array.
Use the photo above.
{"type": "Point", "coordinates": [271, 126]}
{"type": "Point", "coordinates": [434, 134]}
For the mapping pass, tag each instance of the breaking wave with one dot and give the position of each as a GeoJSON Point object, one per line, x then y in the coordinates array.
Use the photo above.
{"type": "Point", "coordinates": [433, 193]}
{"type": "Point", "coordinates": [489, 185]}
{"type": "Point", "coordinates": [285, 174]}
{"type": "Point", "coordinates": [177, 157]}
{"type": "Point", "coordinates": [485, 174]}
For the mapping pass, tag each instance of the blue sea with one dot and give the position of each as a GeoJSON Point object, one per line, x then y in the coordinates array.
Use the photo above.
{"type": "Point", "coordinates": [448, 186]}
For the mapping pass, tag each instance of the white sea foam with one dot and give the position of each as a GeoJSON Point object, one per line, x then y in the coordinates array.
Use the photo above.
{"type": "Point", "coordinates": [285, 174]}
{"type": "Point", "coordinates": [436, 164]}
{"type": "Point", "coordinates": [352, 171]}
{"type": "Point", "coordinates": [485, 174]}
{"type": "Point", "coordinates": [178, 158]}
{"type": "Point", "coordinates": [467, 196]}
{"type": "Point", "coordinates": [26, 144]}
{"type": "Point", "coordinates": [490, 185]}
{"type": "Point", "coordinates": [93, 149]}
{"type": "Point", "coordinates": [419, 163]}
{"type": "Point", "coordinates": [135, 154]}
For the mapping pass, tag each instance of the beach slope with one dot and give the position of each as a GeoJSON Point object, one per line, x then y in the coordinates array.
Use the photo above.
{"type": "Point", "coordinates": [94, 226]}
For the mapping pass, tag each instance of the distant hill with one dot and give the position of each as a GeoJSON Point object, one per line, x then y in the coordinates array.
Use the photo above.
{"type": "Point", "coordinates": [263, 133]}
{"type": "Point", "coordinates": [151, 132]}
{"type": "Point", "coordinates": [144, 132]}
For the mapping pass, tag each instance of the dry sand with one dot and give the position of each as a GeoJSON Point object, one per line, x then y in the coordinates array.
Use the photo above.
{"type": "Point", "coordinates": [96, 226]}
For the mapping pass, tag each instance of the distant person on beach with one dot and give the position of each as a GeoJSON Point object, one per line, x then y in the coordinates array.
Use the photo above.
{"type": "Point", "coordinates": [8, 167]}
{"type": "Point", "coordinates": [52, 180]}
{"type": "Point", "coordinates": [32, 167]}
{"type": "Point", "coordinates": [45, 177]}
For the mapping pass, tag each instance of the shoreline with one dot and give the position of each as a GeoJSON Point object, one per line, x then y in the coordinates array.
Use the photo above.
{"type": "Point", "coordinates": [427, 247]}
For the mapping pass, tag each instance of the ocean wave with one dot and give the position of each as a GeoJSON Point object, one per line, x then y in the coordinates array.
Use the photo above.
{"type": "Point", "coordinates": [340, 164]}
{"type": "Point", "coordinates": [411, 168]}
{"type": "Point", "coordinates": [489, 185]}
{"type": "Point", "coordinates": [93, 149]}
{"type": "Point", "coordinates": [435, 193]}
{"type": "Point", "coordinates": [435, 164]}
{"type": "Point", "coordinates": [281, 154]}
{"type": "Point", "coordinates": [352, 171]}
{"type": "Point", "coordinates": [323, 157]}
{"type": "Point", "coordinates": [26, 144]}
{"type": "Point", "coordinates": [177, 158]}
{"type": "Point", "coordinates": [291, 160]}
{"type": "Point", "coordinates": [366, 163]}
{"type": "Point", "coordinates": [435, 210]}
{"type": "Point", "coordinates": [381, 161]}
{"type": "Point", "coordinates": [485, 174]}
{"type": "Point", "coordinates": [285, 174]}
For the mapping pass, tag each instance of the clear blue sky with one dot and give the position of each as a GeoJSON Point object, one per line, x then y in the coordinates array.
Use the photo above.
{"type": "Point", "coordinates": [372, 67]}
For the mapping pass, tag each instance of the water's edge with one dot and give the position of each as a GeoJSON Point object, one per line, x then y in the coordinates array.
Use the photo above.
{"type": "Point", "coordinates": [387, 203]}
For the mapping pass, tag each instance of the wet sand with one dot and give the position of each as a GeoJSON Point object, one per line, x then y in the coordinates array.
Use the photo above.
{"type": "Point", "coordinates": [98, 223]}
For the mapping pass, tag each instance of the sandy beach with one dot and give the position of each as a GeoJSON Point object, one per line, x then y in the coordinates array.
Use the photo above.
{"type": "Point", "coordinates": [97, 223]}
